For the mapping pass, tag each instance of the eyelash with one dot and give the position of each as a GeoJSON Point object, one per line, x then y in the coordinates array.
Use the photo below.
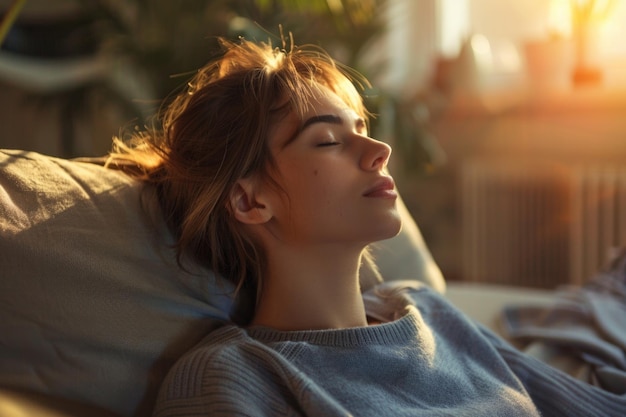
{"type": "Point", "coordinates": [333, 142]}
{"type": "Point", "coordinates": [325, 144]}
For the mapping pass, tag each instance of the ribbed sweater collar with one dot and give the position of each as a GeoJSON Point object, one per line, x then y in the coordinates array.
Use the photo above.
{"type": "Point", "coordinates": [399, 331]}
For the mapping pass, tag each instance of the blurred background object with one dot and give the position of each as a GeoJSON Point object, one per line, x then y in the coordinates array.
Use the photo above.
{"type": "Point", "coordinates": [506, 116]}
{"type": "Point", "coordinates": [587, 17]}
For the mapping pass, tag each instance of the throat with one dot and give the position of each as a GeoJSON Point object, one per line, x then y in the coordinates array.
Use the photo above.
{"type": "Point", "coordinates": [311, 288]}
{"type": "Point", "coordinates": [291, 307]}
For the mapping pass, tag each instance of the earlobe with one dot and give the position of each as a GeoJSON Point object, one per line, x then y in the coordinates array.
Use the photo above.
{"type": "Point", "coordinates": [245, 206]}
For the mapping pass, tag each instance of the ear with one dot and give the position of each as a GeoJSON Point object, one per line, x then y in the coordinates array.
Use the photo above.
{"type": "Point", "coordinates": [246, 205]}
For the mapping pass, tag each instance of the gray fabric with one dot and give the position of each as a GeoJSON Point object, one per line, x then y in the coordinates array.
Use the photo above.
{"type": "Point", "coordinates": [587, 322]}
{"type": "Point", "coordinates": [429, 360]}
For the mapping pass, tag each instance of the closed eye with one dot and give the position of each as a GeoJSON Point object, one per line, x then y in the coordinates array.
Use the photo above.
{"type": "Point", "coordinates": [324, 144]}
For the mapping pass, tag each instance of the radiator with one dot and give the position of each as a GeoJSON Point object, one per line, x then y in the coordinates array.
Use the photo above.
{"type": "Point", "coordinates": [539, 224]}
{"type": "Point", "coordinates": [598, 227]}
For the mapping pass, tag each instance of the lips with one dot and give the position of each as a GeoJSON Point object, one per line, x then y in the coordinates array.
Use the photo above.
{"type": "Point", "coordinates": [382, 188]}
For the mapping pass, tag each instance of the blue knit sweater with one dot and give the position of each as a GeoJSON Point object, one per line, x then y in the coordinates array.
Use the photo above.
{"type": "Point", "coordinates": [426, 360]}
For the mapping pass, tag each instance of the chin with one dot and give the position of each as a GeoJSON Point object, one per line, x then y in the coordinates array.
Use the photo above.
{"type": "Point", "coordinates": [388, 228]}
{"type": "Point", "coordinates": [395, 222]}
{"type": "Point", "coordinates": [395, 230]}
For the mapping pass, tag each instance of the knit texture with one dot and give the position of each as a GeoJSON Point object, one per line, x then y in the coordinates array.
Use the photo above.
{"type": "Point", "coordinates": [427, 360]}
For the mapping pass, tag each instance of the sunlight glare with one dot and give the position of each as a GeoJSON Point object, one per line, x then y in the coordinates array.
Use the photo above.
{"type": "Point", "coordinates": [482, 52]}
{"type": "Point", "coordinates": [560, 18]}
{"type": "Point", "coordinates": [606, 24]}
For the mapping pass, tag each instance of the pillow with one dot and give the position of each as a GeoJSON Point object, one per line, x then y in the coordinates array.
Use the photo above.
{"type": "Point", "coordinates": [94, 307]}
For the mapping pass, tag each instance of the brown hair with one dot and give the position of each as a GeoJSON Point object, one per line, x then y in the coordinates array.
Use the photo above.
{"type": "Point", "coordinates": [215, 133]}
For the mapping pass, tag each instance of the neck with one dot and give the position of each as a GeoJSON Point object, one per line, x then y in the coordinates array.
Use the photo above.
{"type": "Point", "coordinates": [308, 289]}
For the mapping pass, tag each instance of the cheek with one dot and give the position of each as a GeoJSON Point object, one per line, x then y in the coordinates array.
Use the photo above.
{"type": "Point", "coordinates": [311, 188]}
{"type": "Point", "coordinates": [310, 185]}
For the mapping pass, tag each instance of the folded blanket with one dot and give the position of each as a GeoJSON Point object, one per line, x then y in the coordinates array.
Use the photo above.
{"type": "Point", "coordinates": [585, 322]}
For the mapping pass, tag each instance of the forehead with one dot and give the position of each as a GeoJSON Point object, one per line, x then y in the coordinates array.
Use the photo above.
{"type": "Point", "coordinates": [322, 102]}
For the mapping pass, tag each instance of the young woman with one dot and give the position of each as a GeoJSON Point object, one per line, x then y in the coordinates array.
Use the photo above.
{"type": "Point", "coordinates": [266, 173]}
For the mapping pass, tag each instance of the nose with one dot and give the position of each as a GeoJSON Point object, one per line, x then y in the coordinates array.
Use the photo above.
{"type": "Point", "coordinates": [375, 155]}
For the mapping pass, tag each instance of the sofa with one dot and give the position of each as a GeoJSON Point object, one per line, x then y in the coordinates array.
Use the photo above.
{"type": "Point", "coordinates": [93, 306]}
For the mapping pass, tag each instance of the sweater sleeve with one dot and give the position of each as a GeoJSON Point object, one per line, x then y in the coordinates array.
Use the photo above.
{"type": "Point", "coordinates": [556, 393]}
{"type": "Point", "coordinates": [224, 382]}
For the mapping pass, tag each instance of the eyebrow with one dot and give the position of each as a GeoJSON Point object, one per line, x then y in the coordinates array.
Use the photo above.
{"type": "Point", "coordinates": [322, 118]}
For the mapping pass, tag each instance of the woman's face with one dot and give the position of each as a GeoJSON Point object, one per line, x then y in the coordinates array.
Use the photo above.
{"type": "Point", "coordinates": [333, 177]}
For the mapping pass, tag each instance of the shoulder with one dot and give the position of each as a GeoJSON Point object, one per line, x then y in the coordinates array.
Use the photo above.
{"type": "Point", "coordinates": [228, 359]}
{"type": "Point", "coordinates": [218, 355]}
{"type": "Point", "coordinates": [228, 373]}
{"type": "Point", "coordinates": [396, 298]}
{"type": "Point", "coordinates": [392, 298]}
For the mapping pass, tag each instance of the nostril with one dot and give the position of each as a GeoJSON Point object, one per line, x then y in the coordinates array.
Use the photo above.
{"type": "Point", "coordinates": [383, 157]}
{"type": "Point", "coordinates": [381, 162]}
